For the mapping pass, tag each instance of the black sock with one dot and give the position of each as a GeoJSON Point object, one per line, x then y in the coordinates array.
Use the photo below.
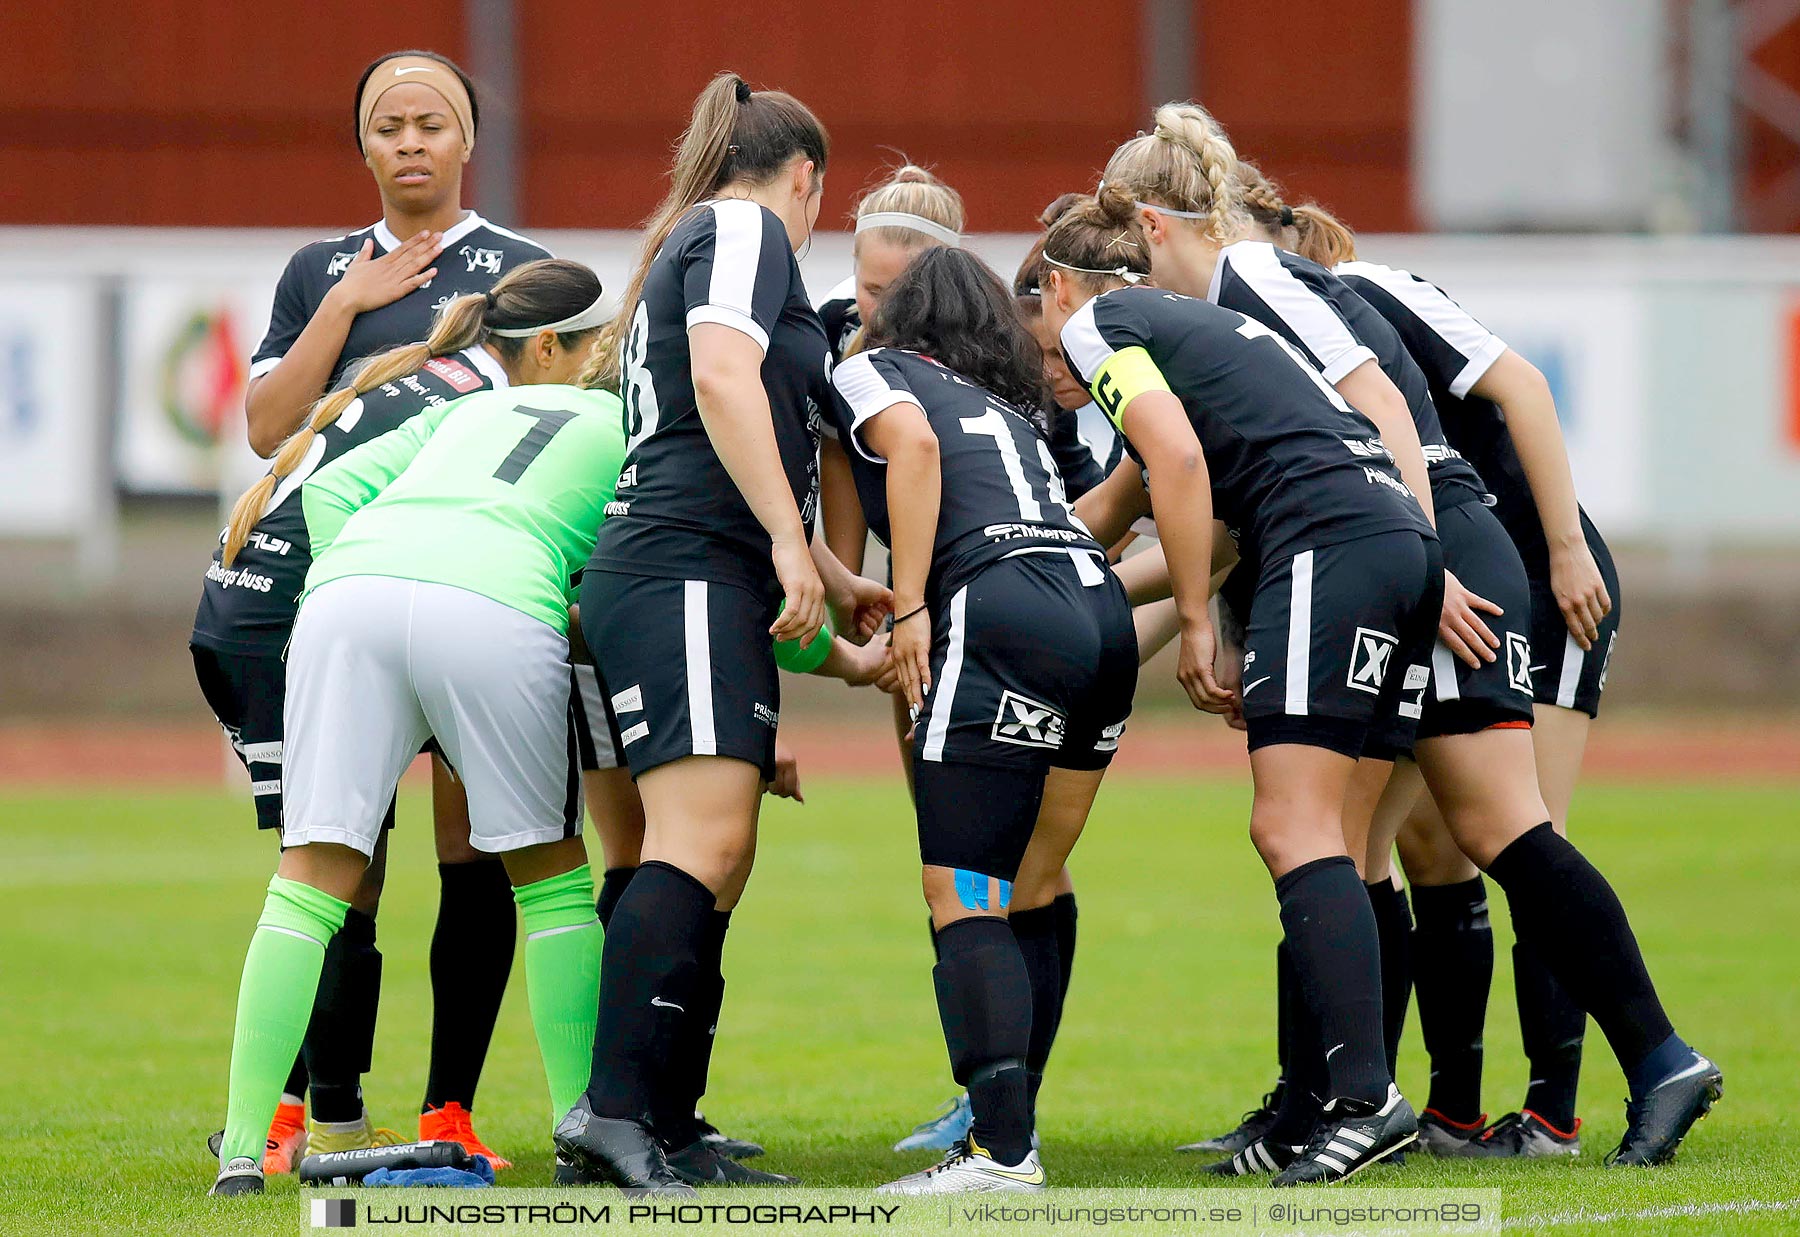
{"type": "Point", "coordinates": [340, 1039]}
{"type": "Point", "coordinates": [691, 1058]}
{"type": "Point", "coordinates": [984, 1002]}
{"type": "Point", "coordinates": [297, 1080]}
{"type": "Point", "coordinates": [1303, 1060]}
{"type": "Point", "coordinates": [1393, 928]}
{"type": "Point", "coordinates": [471, 959]}
{"type": "Point", "coordinates": [612, 888]}
{"type": "Point", "coordinates": [649, 980]}
{"type": "Point", "coordinates": [1066, 916]}
{"type": "Point", "coordinates": [1284, 1026]}
{"type": "Point", "coordinates": [1564, 909]}
{"type": "Point", "coordinates": [1453, 968]}
{"type": "Point", "coordinates": [1552, 1027]}
{"type": "Point", "coordinates": [1035, 930]}
{"type": "Point", "coordinates": [1331, 936]}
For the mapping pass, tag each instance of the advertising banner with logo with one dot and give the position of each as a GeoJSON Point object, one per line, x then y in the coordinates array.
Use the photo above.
{"type": "Point", "coordinates": [186, 344]}
{"type": "Point", "coordinates": [50, 414]}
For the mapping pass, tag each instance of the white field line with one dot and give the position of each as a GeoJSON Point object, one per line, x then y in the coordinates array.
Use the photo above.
{"type": "Point", "coordinates": [1692, 1210]}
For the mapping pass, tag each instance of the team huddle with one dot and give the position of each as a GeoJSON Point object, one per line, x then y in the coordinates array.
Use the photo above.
{"type": "Point", "coordinates": [569, 549]}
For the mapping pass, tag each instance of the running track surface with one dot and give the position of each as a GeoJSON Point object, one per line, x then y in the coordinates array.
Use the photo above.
{"type": "Point", "coordinates": [122, 756]}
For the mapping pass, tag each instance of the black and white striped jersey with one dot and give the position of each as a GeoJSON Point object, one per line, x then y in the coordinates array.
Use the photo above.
{"type": "Point", "coordinates": [1454, 351]}
{"type": "Point", "coordinates": [678, 513]}
{"type": "Point", "coordinates": [1002, 493]}
{"type": "Point", "coordinates": [1292, 465]}
{"type": "Point", "coordinates": [476, 253]}
{"type": "Point", "coordinates": [1337, 330]}
{"type": "Point", "coordinates": [249, 606]}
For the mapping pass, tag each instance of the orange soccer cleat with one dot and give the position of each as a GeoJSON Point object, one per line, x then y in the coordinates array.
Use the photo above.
{"type": "Point", "coordinates": [454, 1123]}
{"type": "Point", "coordinates": [287, 1139]}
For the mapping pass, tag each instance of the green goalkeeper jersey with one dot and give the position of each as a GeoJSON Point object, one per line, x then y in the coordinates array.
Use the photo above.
{"type": "Point", "coordinates": [500, 492]}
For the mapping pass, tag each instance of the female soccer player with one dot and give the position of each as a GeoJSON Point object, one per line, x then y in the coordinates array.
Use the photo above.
{"type": "Point", "coordinates": [436, 607]}
{"type": "Point", "coordinates": [339, 301]}
{"type": "Point", "coordinates": [1498, 411]}
{"type": "Point", "coordinates": [1474, 747]}
{"type": "Point", "coordinates": [723, 367]}
{"type": "Point", "coordinates": [519, 332]}
{"type": "Point", "coordinates": [1016, 655]}
{"type": "Point", "coordinates": [1221, 411]}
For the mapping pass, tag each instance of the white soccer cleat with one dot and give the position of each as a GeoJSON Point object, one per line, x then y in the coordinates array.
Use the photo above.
{"type": "Point", "coordinates": [970, 1170]}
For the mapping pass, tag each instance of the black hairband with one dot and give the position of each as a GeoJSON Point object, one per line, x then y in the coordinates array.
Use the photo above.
{"type": "Point", "coordinates": [490, 298]}
{"type": "Point", "coordinates": [1287, 216]}
{"type": "Point", "coordinates": [743, 91]}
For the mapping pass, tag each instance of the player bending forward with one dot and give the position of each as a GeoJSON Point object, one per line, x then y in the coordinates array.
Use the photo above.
{"type": "Point", "coordinates": [437, 607]}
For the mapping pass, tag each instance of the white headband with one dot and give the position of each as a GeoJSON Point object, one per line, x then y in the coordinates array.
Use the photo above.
{"type": "Point", "coordinates": [594, 315]}
{"type": "Point", "coordinates": [1118, 272]}
{"type": "Point", "coordinates": [914, 223]}
{"type": "Point", "coordinates": [1170, 210]}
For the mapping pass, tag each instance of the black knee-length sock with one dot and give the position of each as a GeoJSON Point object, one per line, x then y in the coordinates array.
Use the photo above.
{"type": "Point", "coordinates": [1298, 1106]}
{"type": "Point", "coordinates": [691, 1059]}
{"type": "Point", "coordinates": [297, 1079]}
{"type": "Point", "coordinates": [1393, 927]}
{"type": "Point", "coordinates": [1552, 1027]}
{"type": "Point", "coordinates": [612, 887]}
{"type": "Point", "coordinates": [1332, 938]}
{"type": "Point", "coordinates": [649, 982]}
{"type": "Point", "coordinates": [1066, 918]}
{"type": "Point", "coordinates": [1035, 930]}
{"type": "Point", "coordinates": [340, 1039]}
{"type": "Point", "coordinates": [984, 1002]}
{"type": "Point", "coordinates": [1565, 910]}
{"type": "Point", "coordinates": [1284, 1024]}
{"type": "Point", "coordinates": [1453, 968]}
{"type": "Point", "coordinates": [471, 960]}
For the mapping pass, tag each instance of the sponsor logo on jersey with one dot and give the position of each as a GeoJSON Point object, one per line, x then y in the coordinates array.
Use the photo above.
{"type": "Point", "coordinates": [1109, 737]}
{"type": "Point", "coordinates": [1371, 652]}
{"type": "Point", "coordinates": [481, 259]}
{"type": "Point", "coordinates": [1249, 659]}
{"type": "Point", "coordinates": [628, 478]}
{"type": "Point", "coordinates": [270, 545]}
{"type": "Point", "coordinates": [1012, 532]}
{"type": "Point", "coordinates": [238, 577]}
{"type": "Point", "coordinates": [764, 714]}
{"type": "Point", "coordinates": [1518, 662]}
{"type": "Point", "coordinates": [1368, 448]}
{"type": "Point", "coordinates": [454, 372]}
{"type": "Point", "coordinates": [340, 262]}
{"type": "Point", "coordinates": [1027, 723]}
{"type": "Point", "coordinates": [1376, 477]}
{"type": "Point", "coordinates": [616, 508]}
{"type": "Point", "coordinates": [631, 700]}
{"type": "Point", "coordinates": [631, 734]}
{"type": "Point", "coordinates": [1437, 452]}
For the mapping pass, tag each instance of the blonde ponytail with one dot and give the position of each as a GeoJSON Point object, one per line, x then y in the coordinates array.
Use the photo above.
{"type": "Point", "coordinates": [1321, 237]}
{"type": "Point", "coordinates": [735, 134]}
{"type": "Point", "coordinates": [1186, 163]}
{"type": "Point", "coordinates": [546, 291]}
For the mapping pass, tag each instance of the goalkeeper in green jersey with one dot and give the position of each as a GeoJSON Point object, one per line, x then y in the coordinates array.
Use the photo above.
{"type": "Point", "coordinates": [437, 606]}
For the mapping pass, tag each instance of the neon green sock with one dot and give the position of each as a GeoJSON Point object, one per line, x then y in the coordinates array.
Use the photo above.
{"type": "Point", "coordinates": [275, 1000]}
{"type": "Point", "coordinates": [562, 978]}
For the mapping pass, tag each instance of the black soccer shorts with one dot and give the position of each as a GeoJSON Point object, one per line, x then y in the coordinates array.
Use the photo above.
{"type": "Point", "coordinates": [1338, 644]}
{"type": "Point", "coordinates": [1463, 699]}
{"type": "Point", "coordinates": [689, 667]}
{"type": "Point", "coordinates": [1034, 665]}
{"type": "Point", "coordinates": [1562, 672]}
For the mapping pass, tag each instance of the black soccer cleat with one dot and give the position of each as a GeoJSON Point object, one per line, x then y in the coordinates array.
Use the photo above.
{"type": "Point", "coordinates": [1440, 1136]}
{"type": "Point", "coordinates": [617, 1152]}
{"type": "Point", "coordinates": [1261, 1156]}
{"type": "Point", "coordinates": [1352, 1135]}
{"type": "Point", "coordinates": [725, 1144]}
{"type": "Point", "coordinates": [1656, 1124]}
{"type": "Point", "coordinates": [698, 1164]}
{"type": "Point", "coordinates": [1523, 1135]}
{"type": "Point", "coordinates": [241, 1176]}
{"type": "Point", "coordinates": [1252, 1126]}
{"type": "Point", "coordinates": [570, 1172]}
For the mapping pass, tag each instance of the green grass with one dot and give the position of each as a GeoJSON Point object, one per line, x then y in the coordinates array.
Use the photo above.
{"type": "Point", "coordinates": [123, 922]}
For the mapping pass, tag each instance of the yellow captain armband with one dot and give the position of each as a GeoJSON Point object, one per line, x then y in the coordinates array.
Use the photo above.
{"type": "Point", "coordinates": [1127, 374]}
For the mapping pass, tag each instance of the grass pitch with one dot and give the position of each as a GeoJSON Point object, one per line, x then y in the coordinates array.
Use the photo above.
{"type": "Point", "coordinates": [123, 922]}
